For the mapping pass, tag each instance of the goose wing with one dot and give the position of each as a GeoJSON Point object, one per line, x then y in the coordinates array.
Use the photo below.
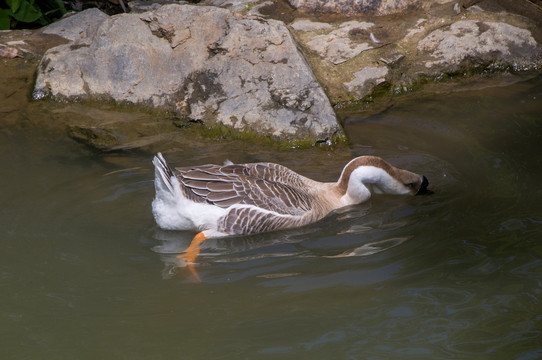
{"type": "Point", "coordinates": [266, 186]}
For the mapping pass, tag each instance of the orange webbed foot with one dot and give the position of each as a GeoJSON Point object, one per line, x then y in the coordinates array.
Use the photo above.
{"type": "Point", "coordinates": [192, 252]}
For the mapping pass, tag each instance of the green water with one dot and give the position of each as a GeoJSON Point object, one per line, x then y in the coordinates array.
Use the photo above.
{"type": "Point", "coordinates": [86, 274]}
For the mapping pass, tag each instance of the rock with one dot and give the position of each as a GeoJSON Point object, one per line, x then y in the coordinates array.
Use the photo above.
{"type": "Point", "coordinates": [420, 47]}
{"type": "Point", "coordinates": [307, 25]}
{"type": "Point", "coordinates": [203, 62]}
{"type": "Point", "coordinates": [418, 28]}
{"type": "Point", "coordinates": [73, 25]}
{"type": "Point", "coordinates": [469, 42]}
{"type": "Point", "coordinates": [29, 44]}
{"type": "Point", "coordinates": [366, 80]}
{"type": "Point", "coordinates": [98, 138]}
{"type": "Point", "coordinates": [246, 7]}
{"type": "Point", "coordinates": [233, 5]}
{"type": "Point", "coordinates": [457, 8]}
{"type": "Point", "coordinates": [8, 52]}
{"type": "Point", "coordinates": [140, 6]}
{"type": "Point", "coordinates": [392, 59]}
{"type": "Point", "coordinates": [372, 7]}
{"type": "Point", "coordinates": [222, 65]}
{"type": "Point", "coordinates": [343, 43]}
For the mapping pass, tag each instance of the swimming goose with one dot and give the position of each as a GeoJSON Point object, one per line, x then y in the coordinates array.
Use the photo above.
{"type": "Point", "coordinates": [236, 199]}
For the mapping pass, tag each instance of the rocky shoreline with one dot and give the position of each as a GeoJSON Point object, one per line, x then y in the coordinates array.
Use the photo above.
{"type": "Point", "coordinates": [273, 69]}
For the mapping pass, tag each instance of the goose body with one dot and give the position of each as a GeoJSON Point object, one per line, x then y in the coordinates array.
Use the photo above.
{"type": "Point", "coordinates": [235, 199]}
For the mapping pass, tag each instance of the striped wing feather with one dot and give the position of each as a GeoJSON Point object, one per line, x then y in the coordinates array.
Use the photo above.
{"type": "Point", "coordinates": [267, 186]}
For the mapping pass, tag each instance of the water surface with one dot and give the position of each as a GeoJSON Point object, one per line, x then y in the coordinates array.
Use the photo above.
{"type": "Point", "coordinates": [86, 274]}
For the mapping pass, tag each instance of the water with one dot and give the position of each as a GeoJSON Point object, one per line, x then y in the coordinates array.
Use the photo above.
{"type": "Point", "coordinates": [85, 273]}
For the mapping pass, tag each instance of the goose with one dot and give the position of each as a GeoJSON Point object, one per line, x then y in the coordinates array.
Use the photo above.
{"type": "Point", "coordinates": [240, 199]}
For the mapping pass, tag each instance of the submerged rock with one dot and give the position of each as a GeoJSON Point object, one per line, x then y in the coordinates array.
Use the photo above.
{"type": "Point", "coordinates": [205, 63]}
{"type": "Point", "coordinates": [95, 137]}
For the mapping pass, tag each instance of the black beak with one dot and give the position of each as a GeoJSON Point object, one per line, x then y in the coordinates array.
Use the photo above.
{"type": "Point", "coordinates": [423, 187]}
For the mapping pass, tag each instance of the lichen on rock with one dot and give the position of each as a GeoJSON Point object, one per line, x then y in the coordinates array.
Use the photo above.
{"type": "Point", "coordinates": [343, 43]}
{"type": "Point", "coordinates": [476, 41]}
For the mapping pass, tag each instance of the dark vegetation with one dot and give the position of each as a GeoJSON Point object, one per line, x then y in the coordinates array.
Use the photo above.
{"type": "Point", "coordinates": [16, 14]}
{"type": "Point", "coordinates": [32, 14]}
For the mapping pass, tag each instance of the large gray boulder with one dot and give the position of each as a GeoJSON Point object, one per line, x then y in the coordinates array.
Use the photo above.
{"type": "Point", "coordinates": [205, 63]}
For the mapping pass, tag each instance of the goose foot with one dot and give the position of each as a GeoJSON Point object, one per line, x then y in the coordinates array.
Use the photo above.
{"type": "Point", "coordinates": [191, 253]}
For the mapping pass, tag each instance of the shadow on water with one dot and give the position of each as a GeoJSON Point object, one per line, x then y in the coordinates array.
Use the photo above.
{"type": "Point", "coordinates": [86, 273]}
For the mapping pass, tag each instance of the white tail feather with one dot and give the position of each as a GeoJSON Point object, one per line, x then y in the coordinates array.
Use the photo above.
{"type": "Point", "coordinates": [163, 174]}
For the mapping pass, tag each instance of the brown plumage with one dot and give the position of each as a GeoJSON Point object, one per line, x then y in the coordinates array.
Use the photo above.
{"type": "Point", "coordinates": [264, 185]}
{"type": "Point", "coordinates": [249, 198]}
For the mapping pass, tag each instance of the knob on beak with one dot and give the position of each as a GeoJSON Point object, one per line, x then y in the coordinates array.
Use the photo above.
{"type": "Point", "coordinates": [423, 186]}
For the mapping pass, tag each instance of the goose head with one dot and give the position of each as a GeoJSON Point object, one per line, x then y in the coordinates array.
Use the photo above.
{"type": "Point", "coordinates": [367, 175]}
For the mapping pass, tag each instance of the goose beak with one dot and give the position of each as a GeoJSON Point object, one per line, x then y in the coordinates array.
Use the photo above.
{"type": "Point", "coordinates": [423, 187]}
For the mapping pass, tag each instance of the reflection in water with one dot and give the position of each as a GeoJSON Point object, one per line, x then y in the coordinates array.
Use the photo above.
{"type": "Point", "coordinates": [228, 249]}
{"type": "Point", "coordinates": [357, 221]}
{"type": "Point", "coordinates": [373, 247]}
{"type": "Point", "coordinates": [243, 249]}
